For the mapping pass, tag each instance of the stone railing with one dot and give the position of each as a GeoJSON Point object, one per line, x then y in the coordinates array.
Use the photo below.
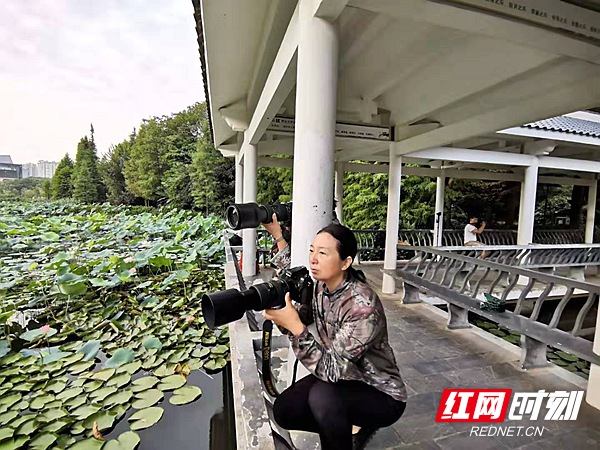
{"type": "Point", "coordinates": [463, 282]}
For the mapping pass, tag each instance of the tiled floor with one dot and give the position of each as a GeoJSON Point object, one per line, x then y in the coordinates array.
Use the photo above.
{"type": "Point", "coordinates": [432, 358]}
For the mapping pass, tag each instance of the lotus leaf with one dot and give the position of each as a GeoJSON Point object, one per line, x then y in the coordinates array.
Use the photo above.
{"type": "Point", "coordinates": [145, 418]}
{"type": "Point", "coordinates": [58, 425]}
{"type": "Point", "coordinates": [119, 380]}
{"type": "Point", "coordinates": [147, 398]}
{"type": "Point", "coordinates": [130, 368]}
{"type": "Point", "coordinates": [215, 364]}
{"type": "Point", "coordinates": [7, 417]}
{"type": "Point", "coordinates": [6, 433]}
{"type": "Point", "coordinates": [90, 349]}
{"type": "Point", "coordinates": [141, 384]}
{"type": "Point", "coordinates": [69, 393]}
{"type": "Point", "coordinates": [126, 441]}
{"type": "Point", "coordinates": [219, 350]}
{"type": "Point", "coordinates": [42, 441]}
{"type": "Point", "coordinates": [80, 367]}
{"type": "Point", "coordinates": [201, 352]}
{"type": "Point", "coordinates": [27, 428]}
{"type": "Point", "coordinates": [152, 343]}
{"type": "Point", "coordinates": [10, 400]}
{"type": "Point", "coordinates": [14, 444]}
{"type": "Point", "coordinates": [100, 394]}
{"type": "Point", "coordinates": [171, 382]}
{"type": "Point", "coordinates": [105, 420]}
{"type": "Point", "coordinates": [103, 375]}
{"type": "Point", "coordinates": [87, 444]}
{"type": "Point", "coordinates": [83, 412]}
{"type": "Point", "coordinates": [118, 398]}
{"type": "Point", "coordinates": [53, 414]}
{"type": "Point", "coordinates": [185, 395]}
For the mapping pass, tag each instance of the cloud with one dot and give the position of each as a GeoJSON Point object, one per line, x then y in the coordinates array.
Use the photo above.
{"type": "Point", "coordinates": [66, 64]}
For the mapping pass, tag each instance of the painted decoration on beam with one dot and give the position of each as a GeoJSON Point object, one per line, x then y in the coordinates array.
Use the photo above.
{"type": "Point", "coordinates": [342, 129]}
{"type": "Point", "coordinates": [549, 13]}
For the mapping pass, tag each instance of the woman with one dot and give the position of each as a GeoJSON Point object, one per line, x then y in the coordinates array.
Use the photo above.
{"type": "Point", "coordinates": [354, 379]}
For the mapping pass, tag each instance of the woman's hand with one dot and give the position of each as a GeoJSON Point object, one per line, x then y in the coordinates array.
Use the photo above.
{"type": "Point", "coordinates": [273, 228]}
{"type": "Point", "coordinates": [286, 317]}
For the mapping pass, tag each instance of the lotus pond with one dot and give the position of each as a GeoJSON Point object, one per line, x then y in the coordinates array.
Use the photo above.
{"type": "Point", "coordinates": [102, 340]}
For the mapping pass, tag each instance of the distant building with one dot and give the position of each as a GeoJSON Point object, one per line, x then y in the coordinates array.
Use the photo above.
{"type": "Point", "coordinates": [41, 169]}
{"type": "Point", "coordinates": [8, 170]}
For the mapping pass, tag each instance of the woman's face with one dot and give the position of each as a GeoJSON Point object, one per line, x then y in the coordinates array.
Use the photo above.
{"type": "Point", "coordinates": [324, 259]}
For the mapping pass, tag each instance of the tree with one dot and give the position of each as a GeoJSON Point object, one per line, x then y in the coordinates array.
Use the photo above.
{"type": "Point", "coordinates": [61, 181]}
{"type": "Point", "coordinates": [47, 188]}
{"type": "Point", "coordinates": [86, 179]}
{"type": "Point", "coordinates": [143, 171]}
{"type": "Point", "coordinates": [212, 178]}
{"type": "Point", "coordinates": [112, 168]}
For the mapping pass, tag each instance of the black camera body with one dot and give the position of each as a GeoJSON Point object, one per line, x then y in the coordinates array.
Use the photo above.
{"type": "Point", "coordinates": [251, 215]}
{"type": "Point", "coordinates": [220, 308]}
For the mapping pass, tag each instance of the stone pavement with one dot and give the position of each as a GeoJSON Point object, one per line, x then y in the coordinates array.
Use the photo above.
{"type": "Point", "coordinates": [432, 358]}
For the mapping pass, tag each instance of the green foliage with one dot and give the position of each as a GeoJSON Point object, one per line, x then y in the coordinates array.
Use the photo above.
{"type": "Point", "coordinates": [212, 176]}
{"type": "Point", "coordinates": [86, 179]}
{"type": "Point", "coordinates": [112, 167]}
{"type": "Point", "coordinates": [22, 189]}
{"type": "Point", "coordinates": [274, 185]}
{"type": "Point", "coordinates": [62, 186]}
{"type": "Point", "coordinates": [365, 200]}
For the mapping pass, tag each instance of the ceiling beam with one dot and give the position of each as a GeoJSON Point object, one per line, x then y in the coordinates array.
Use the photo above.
{"type": "Point", "coordinates": [329, 9]}
{"type": "Point", "coordinates": [486, 24]}
{"type": "Point", "coordinates": [276, 147]}
{"type": "Point", "coordinates": [582, 94]}
{"type": "Point", "coordinates": [279, 84]}
{"type": "Point", "coordinates": [265, 161]}
{"type": "Point", "coordinates": [274, 28]}
{"type": "Point", "coordinates": [477, 156]}
{"type": "Point", "coordinates": [578, 165]}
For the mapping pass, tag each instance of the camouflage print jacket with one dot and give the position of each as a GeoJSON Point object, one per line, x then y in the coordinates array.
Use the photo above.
{"type": "Point", "coordinates": [352, 336]}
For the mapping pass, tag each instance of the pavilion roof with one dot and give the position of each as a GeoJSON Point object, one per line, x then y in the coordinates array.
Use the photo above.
{"type": "Point", "coordinates": [567, 125]}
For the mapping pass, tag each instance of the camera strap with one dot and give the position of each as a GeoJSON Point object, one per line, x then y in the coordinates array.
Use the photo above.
{"type": "Point", "coordinates": [267, 377]}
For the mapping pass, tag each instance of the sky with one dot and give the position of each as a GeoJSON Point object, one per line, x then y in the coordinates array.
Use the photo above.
{"type": "Point", "coordinates": [66, 64]}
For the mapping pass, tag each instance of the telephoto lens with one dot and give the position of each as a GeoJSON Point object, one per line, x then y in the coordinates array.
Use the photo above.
{"type": "Point", "coordinates": [251, 215]}
{"type": "Point", "coordinates": [220, 308]}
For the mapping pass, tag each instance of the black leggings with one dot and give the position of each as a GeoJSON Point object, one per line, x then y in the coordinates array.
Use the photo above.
{"type": "Point", "coordinates": [331, 409]}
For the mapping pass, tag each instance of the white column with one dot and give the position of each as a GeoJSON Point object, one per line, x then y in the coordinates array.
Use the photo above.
{"type": "Point", "coordinates": [438, 224]}
{"type": "Point", "coordinates": [239, 182]}
{"type": "Point", "coordinates": [527, 205]}
{"type": "Point", "coordinates": [591, 212]}
{"type": "Point", "coordinates": [316, 94]}
{"type": "Point", "coordinates": [393, 221]}
{"type": "Point", "coordinates": [593, 386]}
{"type": "Point", "coordinates": [339, 189]}
{"type": "Point", "coordinates": [249, 235]}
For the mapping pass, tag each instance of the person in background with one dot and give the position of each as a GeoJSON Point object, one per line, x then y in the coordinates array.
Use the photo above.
{"type": "Point", "coordinates": [471, 233]}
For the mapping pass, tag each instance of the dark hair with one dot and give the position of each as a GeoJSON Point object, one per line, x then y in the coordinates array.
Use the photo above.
{"type": "Point", "coordinates": [346, 246]}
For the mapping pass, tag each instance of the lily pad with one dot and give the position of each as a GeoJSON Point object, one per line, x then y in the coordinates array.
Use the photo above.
{"type": "Point", "coordinates": [90, 349]}
{"type": "Point", "coordinates": [151, 343]}
{"type": "Point", "coordinates": [120, 357]}
{"type": "Point", "coordinates": [185, 395]}
{"type": "Point", "coordinates": [119, 380]}
{"type": "Point", "coordinates": [147, 398]}
{"type": "Point", "coordinates": [130, 368]}
{"type": "Point", "coordinates": [126, 441]}
{"type": "Point", "coordinates": [171, 382]}
{"type": "Point", "coordinates": [104, 374]}
{"type": "Point", "coordinates": [145, 418]}
{"type": "Point", "coordinates": [87, 444]}
{"type": "Point", "coordinates": [42, 441]}
{"type": "Point", "coordinates": [141, 384]}
{"type": "Point", "coordinates": [118, 398]}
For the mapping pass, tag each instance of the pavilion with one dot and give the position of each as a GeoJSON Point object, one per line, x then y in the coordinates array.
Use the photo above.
{"type": "Point", "coordinates": [444, 85]}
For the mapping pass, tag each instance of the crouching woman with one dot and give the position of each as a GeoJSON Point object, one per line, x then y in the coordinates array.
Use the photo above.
{"type": "Point", "coordinates": [354, 381]}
